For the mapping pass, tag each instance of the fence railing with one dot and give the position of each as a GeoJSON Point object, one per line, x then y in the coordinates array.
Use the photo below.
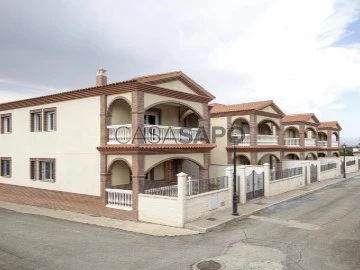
{"type": "Point", "coordinates": [171, 191]}
{"type": "Point", "coordinates": [292, 141]}
{"type": "Point", "coordinates": [327, 167]}
{"type": "Point", "coordinates": [119, 199]}
{"type": "Point", "coordinates": [276, 175]}
{"type": "Point", "coordinates": [350, 162]}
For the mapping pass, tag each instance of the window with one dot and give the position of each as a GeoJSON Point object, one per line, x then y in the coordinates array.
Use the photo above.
{"type": "Point", "coordinates": [5, 167]}
{"type": "Point", "coordinates": [6, 123]}
{"type": "Point", "coordinates": [35, 119]}
{"type": "Point", "coordinates": [42, 169]}
{"type": "Point", "coordinates": [50, 119]}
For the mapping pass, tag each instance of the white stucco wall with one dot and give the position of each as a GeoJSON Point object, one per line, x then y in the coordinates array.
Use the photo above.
{"type": "Point", "coordinates": [178, 86]}
{"type": "Point", "coordinates": [73, 145]}
{"type": "Point", "coordinates": [325, 175]}
{"type": "Point", "coordinates": [218, 155]}
{"type": "Point", "coordinates": [207, 203]}
{"type": "Point", "coordinates": [284, 185]}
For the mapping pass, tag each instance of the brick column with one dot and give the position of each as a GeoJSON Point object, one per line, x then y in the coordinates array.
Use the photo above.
{"type": "Point", "coordinates": [281, 135]}
{"type": "Point", "coordinates": [137, 119]}
{"type": "Point", "coordinates": [328, 133]}
{"type": "Point", "coordinates": [302, 135]}
{"type": "Point", "coordinates": [228, 126]}
{"type": "Point", "coordinates": [205, 121]}
{"type": "Point", "coordinates": [138, 178]}
{"type": "Point", "coordinates": [253, 129]}
{"type": "Point", "coordinates": [253, 159]}
{"type": "Point", "coordinates": [105, 177]}
{"type": "Point", "coordinates": [103, 120]}
{"type": "Point", "coordinates": [204, 172]}
{"type": "Point", "coordinates": [302, 155]}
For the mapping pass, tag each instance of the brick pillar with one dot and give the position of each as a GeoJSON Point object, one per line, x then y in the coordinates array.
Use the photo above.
{"type": "Point", "coordinates": [281, 135]}
{"type": "Point", "coordinates": [105, 177]}
{"type": "Point", "coordinates": [302, 155]}
{"type": "Point", "coordinates": [253, 158]}
{"type": "Point", "coordinates": [328, 133]}
{"type": "Point", "coordinates": [137, 120]}
{"type": "Point", "coordinates": [138, 178]}
{"type": "Point", "coordinates": [103, 120]}
{"type": "Point", "coordinates": [278, 166]}
{"type": "Point", "coordinates": [205, 121]}
{"type": "Point", "coordinates": [204, 172]}
{"type": "Point", "coordinates": [302, 135]}
{"type": "Point", "coordinates": [253, 129]}
{"type": "Point", "coordinates": [228, 126]}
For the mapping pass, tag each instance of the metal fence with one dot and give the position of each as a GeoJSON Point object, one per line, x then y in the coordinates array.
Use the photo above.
{"type": "Point", "coordinates": [276, 175]}
{"type": "Point", "coordinates": [327, 167]}
{"type": "Point", "coordinates": [350, 162]}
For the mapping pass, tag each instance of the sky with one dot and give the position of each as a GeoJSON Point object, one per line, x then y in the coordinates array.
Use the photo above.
{"type": "Point", "coordinates": [304, 55]}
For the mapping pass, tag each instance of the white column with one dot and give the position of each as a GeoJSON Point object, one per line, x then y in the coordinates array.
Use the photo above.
{"type": "Point", "coordinates": [267, 180]}
{"type": "Point", "coordinates": [242, 184]}
{"type": "Point", "coordinates": [182, 187]}
{"type": "Point", "coordinates": [230, 176]}
{"type": "Point", "coordinates": [274, 130]}
{"type": "Point", "coordinates": [307, 165]}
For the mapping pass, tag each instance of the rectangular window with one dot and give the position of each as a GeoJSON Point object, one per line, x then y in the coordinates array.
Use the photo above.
{"type": "Point", "coordinates": [35, 120]}
{"type": "Point", "coordinates": [6, 123]}
{"type": "Point", "coordinates": [50, 119]}
{"type": "Point", "coordinates": [5, 167]}
{"type": "Point", "coordinates": [42, 169]}
{"type": "Point", "coordinates": [46, 170]}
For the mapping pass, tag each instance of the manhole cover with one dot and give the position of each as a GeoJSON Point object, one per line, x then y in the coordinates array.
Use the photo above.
{"type": "Point", "coordinates": [211, 219]}
{"type": "Point", "coordinates": [208, 265]}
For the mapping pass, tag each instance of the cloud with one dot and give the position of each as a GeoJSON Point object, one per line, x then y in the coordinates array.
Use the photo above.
{"type": "Point", "coordinates": [289, 51]}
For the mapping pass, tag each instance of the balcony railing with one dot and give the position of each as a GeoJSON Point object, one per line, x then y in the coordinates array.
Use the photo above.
{"type": "Point", "coordinates": [292, 141]}
{"type": "Point", "coordinates": [334, 144]}
{"type": "Point", "coordinates": [119, 199]}
{"type": "Point", "coordinates": [154, 134]}
{"type": "Point", "coordinates": [310, 142]}
{"type": "Point", "coordinates": [322, 143]}
{"type": "Point", "coordinates": [243, 139]}
{"type": "Point", "coordinates": [267, 140]}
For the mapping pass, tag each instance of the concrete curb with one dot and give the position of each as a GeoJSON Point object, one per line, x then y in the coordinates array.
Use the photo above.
{"type": "Point", "coordinates": [246, 215]}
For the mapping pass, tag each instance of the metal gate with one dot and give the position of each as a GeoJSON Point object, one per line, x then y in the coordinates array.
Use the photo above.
{"type": "Point", "coordinates": [254, 185]}
{"type": "Point", "coordinates": [313, 173]}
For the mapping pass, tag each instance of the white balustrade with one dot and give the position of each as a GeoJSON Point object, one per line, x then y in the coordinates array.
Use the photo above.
{"type": "Point", "coordinates": [243, 139]}
{"type": "Point", "coordinates": [322, 143]}
{"type": "Point", "coordinates": [292, 141]}
{"type": "Point", "coordinates": [154, 134]}
{"type": "Point", "coordinates": [267, 140]}
{"type": "Point", "coordinates": [119, 199]}
{"type": "Point", "coordinates": [334, 144]}
{"type": "Point", "coordinates": [310, 142]}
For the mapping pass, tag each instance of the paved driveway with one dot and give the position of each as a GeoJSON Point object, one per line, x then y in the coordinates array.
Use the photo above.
{"type": "Point", "coordinates": [319, 231]}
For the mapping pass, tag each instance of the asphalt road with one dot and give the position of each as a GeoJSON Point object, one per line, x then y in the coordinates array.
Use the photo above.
{"type": "Point", "coordinates": [319, 231]}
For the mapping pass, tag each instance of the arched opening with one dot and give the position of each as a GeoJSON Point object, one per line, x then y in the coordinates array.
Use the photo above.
{"type": "Point", "coordinates": [321, 155]}
{"type": "Point", "coordinates": [311, 156]}
{"type": "Point", "coordinates": [242, 127]}
{"type": "Point", "coordinates": [335, 154]}
{"type": "Point", "coordinates": [267, 133]}
{"type": "Point", "coordinates": [292, 157]}
{"type": "Point", "coordinates": [242, 160]}
{"type": "Point", "coordinates": [270, 159]}
{"type": "Point", "coordinates": [322, 139]}
{"type": "Point", "coordinates": [292, 136]}
{"type": "Point", "coordinates": [310, 137]}
{"type": "Point", "coordinates": [119, 112]}
{"type": "Point", "coordinates": [120, 175]}
{"type": "Point", "coordinates": [335, 139]}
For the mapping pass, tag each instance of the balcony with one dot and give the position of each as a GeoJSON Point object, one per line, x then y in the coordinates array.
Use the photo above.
{"type": "Point", "coordinates": [267, 140]}
{"type": "Point", "coordinates": [334, 144]}
{"type": "Point", "coordinates": [322, 143]}
{"type": "Point", "coordinates": [154, 134]}
{"type": "Point", "coordinates": [292, 141]}
{"type": "Point", "coordinates": [243, 139]}
{"type": "Point", "coordinates": [310, 142]}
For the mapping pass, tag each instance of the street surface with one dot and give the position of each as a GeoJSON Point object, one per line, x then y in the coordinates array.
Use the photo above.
{"type": "Point", "coordinates": [318, 231]}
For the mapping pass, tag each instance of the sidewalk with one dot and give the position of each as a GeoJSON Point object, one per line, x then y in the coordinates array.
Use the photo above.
{"type": "Point", "coordinates": [219, 218]}
{"type": "Point", "coordinates": [200, 225]}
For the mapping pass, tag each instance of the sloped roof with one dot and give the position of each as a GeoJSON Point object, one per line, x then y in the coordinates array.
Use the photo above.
{"type": "Point", "coordinates": [330, 124]}
{"type": "Point", "coordinates": [303, 117]}
{"type": "Point", "coordinates": [259, 105]}
{"type": "Point", "coordinates": [172, 76]}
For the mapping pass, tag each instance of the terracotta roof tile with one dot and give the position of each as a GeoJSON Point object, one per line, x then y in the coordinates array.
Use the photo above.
{"type": "Point", "coordinates": [221, 108]}
{"type": "Point", "coordinates": [303, 117]}
{"type": "Point", "coordinates": [157, 76]}
{"type": "Point", "coordinates": [329, 124]}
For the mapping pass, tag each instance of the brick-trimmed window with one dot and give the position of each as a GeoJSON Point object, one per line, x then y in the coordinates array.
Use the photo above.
{"type": "Point", "coordinates": [5, 163]}
{"type": "Point", "coordinates": [42, 169]}
{"type": "Point", "coordinates": [35, 120]}
{"type": "Point", "coordinates": [6, 123]}
{"type": "Point", "coordinates": [50, 119]}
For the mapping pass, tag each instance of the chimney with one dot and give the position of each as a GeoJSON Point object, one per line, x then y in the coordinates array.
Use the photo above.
{"type": "Point", "coordinates": [101, 78]}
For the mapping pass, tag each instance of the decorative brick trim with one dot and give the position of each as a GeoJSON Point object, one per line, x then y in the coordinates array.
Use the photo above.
{"type": "Point", "coordinates": [3, 117]}
{"type": "Point", "coordinates": [87, 204]}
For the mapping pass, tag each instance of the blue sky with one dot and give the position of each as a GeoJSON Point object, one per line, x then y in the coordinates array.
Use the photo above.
{"type": "Point", "coordinates": [305, 55]}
